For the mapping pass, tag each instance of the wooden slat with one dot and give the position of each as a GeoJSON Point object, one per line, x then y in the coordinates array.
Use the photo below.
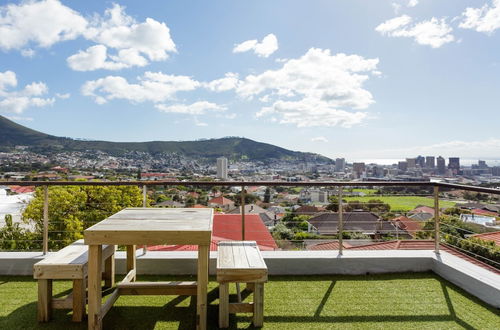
{"type": "Point", "coordinates": [94, 286]}
{"type": "Point", "coordinates": [240, 308]}
{"type": "Point", "coordinates": [129, 277]}
{"type": "Point", "coordinates": [158, 288]}
{"type": "Point", "coordinates": [109, 270]}
{"type": "Point", "coordinates": [202, 287]}
{"type": "Point", "coordinates": [225, 257]}
{"type": "Point", "coordinates": [131, 260]}
{"type": "Point", "coordinates": [240, 258]}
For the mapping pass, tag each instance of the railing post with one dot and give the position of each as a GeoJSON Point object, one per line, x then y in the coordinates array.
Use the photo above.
{"type": "Point", "coordinates": [45, 247]}
{"type": "Point", "coordinates": [436, 219]}
{"type": "Point", "coordinates": [242, 213]}
{"type": "Point", "coordinates": [341, 223]}
{"type": "Point", "coordinates": [144, 195]}
{"type": "Point", "coordinates": [144, 204]}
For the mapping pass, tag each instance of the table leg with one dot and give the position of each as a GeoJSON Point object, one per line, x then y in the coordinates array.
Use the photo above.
{"type": "Point", "coordinates": [131, 261]}
{"type": "Point", "coordinates": [201, 298]}
{"type": "Point", "coordinates": [94, 286]}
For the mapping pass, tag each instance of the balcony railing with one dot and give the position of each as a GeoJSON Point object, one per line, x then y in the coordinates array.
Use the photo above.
{"type": "Point", "coordinates": [338, 237]}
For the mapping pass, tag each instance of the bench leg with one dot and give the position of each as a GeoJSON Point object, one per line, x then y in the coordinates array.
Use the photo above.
{"type": "Point", "coordinates": [251, 287]}
{"type": "Point", "coordinates": [44, 309]}
{"type": "Point", "coordinates": [258, 302]}
{"type": "Point", "coordinates": [79, 300]}
{"type": "Point", "coordinates": [223, 305]}
{"type": "Point", "coordinates": [109, 272]}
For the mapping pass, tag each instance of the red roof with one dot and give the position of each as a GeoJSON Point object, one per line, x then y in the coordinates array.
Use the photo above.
{"type": "Point", "coordinates": [328, 246]}
{"type": "Point", "coordinates": [407, 224]}
{"type": "Point", "coordinates": [484, 212]}
{"type": "Point", "coordinates": [221, 200]}
{"type": "Point", "coordinates": [422, 209]}
{"type": "Point", "coordinates": [494, 236]}
{"type": "Point", "coordinates": [22, 189]}
{"type": "Point", "coordinates": [228, 227]}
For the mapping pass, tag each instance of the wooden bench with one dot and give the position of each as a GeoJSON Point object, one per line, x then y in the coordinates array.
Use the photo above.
{"type": "Point", "coordinates": [241, 262]}
{"type": "Point", "coordinates": [69, 263]}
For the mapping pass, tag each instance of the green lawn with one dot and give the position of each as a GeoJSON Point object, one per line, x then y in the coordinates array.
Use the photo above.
{"type": "Point", "coordinates": [403, 203]}
{"type": "Point", "coordinates": [390, 301]}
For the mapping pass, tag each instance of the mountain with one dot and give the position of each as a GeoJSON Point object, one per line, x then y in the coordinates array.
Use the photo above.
{"type": "Point", "coordinates": [235, 148]}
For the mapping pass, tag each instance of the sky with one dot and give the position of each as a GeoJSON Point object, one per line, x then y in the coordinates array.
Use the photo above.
{"type": "Point", "coordinates": [359, 79]}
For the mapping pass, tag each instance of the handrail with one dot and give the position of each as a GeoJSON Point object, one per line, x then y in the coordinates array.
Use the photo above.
{"type": "Point", "coordinates": [255, 183]}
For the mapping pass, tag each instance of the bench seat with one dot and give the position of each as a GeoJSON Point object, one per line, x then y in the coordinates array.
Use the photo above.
{"type": "Point", "coordinates": [69, 263]}
{"type": "Point", "coordinates": [241, 262]}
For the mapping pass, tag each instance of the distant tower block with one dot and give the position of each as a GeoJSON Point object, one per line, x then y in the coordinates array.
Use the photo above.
{"type": "Point", "coordinates": [222, 168]}
{"type": "Point", "coordinates": [340, 165]}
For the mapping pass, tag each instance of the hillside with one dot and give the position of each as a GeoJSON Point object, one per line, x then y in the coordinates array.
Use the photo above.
{"type": "Point", "coordinates": [235, 148]}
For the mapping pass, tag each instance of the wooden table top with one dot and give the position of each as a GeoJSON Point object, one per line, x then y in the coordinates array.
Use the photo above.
{"type": "Point", "coordinates": [153, 226]}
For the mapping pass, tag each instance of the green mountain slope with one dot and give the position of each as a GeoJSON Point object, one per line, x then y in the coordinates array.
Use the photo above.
{"type": "Point", "coordinates": [12, 134]}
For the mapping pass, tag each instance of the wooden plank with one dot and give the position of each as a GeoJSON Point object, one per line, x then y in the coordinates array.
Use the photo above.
{"type": "Point", "coordinates": [109, 303]}
{"type": "Point", "coordinates": [158, 288]}
{"type": "Point", "coordinates": [94, 287]}
{"type": "Point", "coordinates": [258, 300]}
{"type": "Point", "coordinates": [79, 300]}
{"type": "Point", "coordinates": [252, 276]}
{"type": "Point", "coordinates": [254, 257]}
{"type": "Point", "coordinates": [44, 307]}
{"type": "Point", "coordinates": [240, 258]}
{"type": "Point", "coordinates": [241, 308]}
{"type": "Point", "coordinates": [63, 303]}
{"type": "Point", "coordinates": [131, 261]}
{"type": "Point", "coordinates": [201, 299]}
{"type": "Point", "coordinates": [129, 277]}
{"type": "Point", "coordinates": [140, 236]}
{"type": "Point", "coordinates": [223, 305]}
{"type": "Point", "coordinates": [225, 257]}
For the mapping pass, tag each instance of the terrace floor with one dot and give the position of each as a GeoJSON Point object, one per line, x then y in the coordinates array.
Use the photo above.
{"type": "Point", "coordinates": [388, 301]}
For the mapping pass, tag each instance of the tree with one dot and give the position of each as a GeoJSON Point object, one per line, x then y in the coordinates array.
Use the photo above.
{"type": "Point", "coordinates": [13, 237]}
{"type": "Point", "coordinates": [267, 195]}
{"type": "Point", "coordinates": [75, 208]}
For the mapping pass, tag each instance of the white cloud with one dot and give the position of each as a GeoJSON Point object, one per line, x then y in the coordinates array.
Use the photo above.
{"type": "Point", "coordinates": [317, 89]}
{"type": "Point", "coordinates": [152, 86]}
{"type": "Point", "coordinates": [412, 3]}
{"type": "Point", "coordinates": [319, 139]}
{"type": "Point", "coordinates": [18, 101]}
{"type": "Point", "coordinates": [42, 23]}
{"type": "Point", "coordinates": [230, 81]}
{"type": "Point", "coordinates": [434, 32]}
{"type": "Point", "coordinates": [263, 49]}
{"type": "Point", "coordinates": [197, 108]}
{"type": "Point", "coordinates": [47, 22]}
{"type": "Point", "coordinates": [485, 19]}
{"type": "Point", "coordinates": [63, 96]}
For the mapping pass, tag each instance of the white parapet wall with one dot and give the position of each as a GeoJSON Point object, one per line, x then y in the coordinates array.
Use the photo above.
{"type": "Point", "coordinates": [478, 281]}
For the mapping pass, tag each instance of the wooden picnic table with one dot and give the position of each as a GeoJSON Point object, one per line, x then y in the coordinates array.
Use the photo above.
{"type": "Point", "coordinates": [149, 226]}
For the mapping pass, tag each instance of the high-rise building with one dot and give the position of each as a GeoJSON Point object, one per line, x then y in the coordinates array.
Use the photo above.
{"type": "Point", "coordinates": [441, 165]}
{"type": "Point", "coordinates": [222, 168]}
{"type": "Point", "coordinates": [430, 162]}
{"type": "Point", "coordinates": [403, 166]}
{"type": "Point", "coordinates": [421, 161]}
{"type": "Point", "coordinates": [482, 164]}
{"type": "Point", "coordinates": [454, 164]}
{"type": "Point", "coordinates": [339, 165]}
{"type": "Point", "coordinates": [358, 169]}
{"type": "Point", "coordinates": [411, 162]}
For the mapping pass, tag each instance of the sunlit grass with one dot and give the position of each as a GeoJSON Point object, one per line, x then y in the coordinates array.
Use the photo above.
{"type": "Point", "coordinates": [392, 301]}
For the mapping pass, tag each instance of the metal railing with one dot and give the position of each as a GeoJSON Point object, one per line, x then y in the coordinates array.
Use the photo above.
{"type": "Point", "coordinates": [338, 185]}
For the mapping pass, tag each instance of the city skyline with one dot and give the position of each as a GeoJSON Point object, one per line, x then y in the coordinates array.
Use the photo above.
{"type": "Point", "coordinates": [414, 77]}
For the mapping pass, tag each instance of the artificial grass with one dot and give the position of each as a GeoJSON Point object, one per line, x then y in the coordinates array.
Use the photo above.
{"type": "Point", "coordinates": [388, 301]}
{"type": "Point", "coordinates": [403, 203]}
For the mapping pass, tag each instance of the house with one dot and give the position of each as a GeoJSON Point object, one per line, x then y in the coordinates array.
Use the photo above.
{"type": "Point", "coordinates": [366, 223]}
{"type": "Point", "coordinates": [170, 204]}
{"type": "Point", "coordinates": [221, 202]}
{"type": "Point", "coordinates": [267, 217]}
{"type": "Point", "coordinates": [407, 225]}
{"type": "Point", "coordinates": [228, 227]}
{"type": "Point", "coordinates": [422, 209]}
{"type": "Point", "coordinates": [492, 236]}
{"type": "Point", "coordinates": [484, 212]}
{"type": "Point", "coordinates": [331, 245]}
{"type": "Point", "coordinates": [308, 210]}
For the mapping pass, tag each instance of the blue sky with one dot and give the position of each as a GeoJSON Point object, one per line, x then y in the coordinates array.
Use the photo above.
{"type": "Point", "coordinates": [355, 79]}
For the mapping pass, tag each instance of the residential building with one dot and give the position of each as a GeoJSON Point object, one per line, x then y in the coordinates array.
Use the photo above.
{"type": "Point", "coordinates": [222, 168]}
{"type": "Point", "coordinates": [365, 223]}
{"type": "Point", "coordinates": [221, 202]}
